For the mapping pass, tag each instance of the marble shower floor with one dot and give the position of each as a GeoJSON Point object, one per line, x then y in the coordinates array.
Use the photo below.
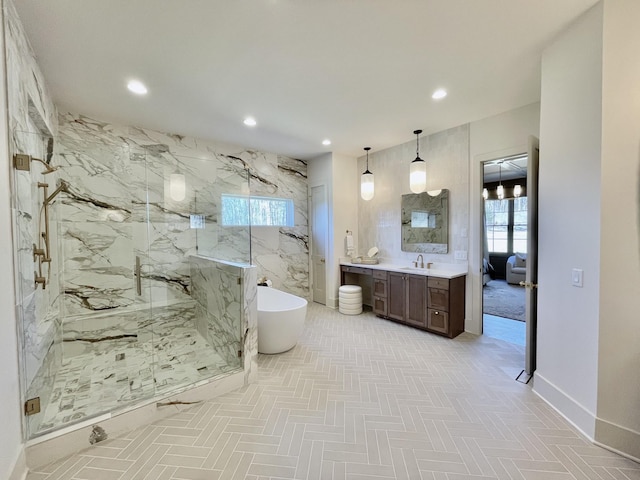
{"type": "Point", "coordinates": [168, 352]}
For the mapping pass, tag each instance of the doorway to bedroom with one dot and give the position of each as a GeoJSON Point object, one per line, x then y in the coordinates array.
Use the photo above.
{"type": "Point", "coordinates": [504, 248]}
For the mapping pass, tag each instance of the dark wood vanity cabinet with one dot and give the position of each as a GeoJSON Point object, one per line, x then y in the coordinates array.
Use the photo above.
{"type": "Point", "coordinates": [380, 292]}
{"type": "Point", "coordinates": [430, 303]}
{"type": "Point", "coordinates": [408, 299]}
{"type": "Point", "coordinates": [445, 302]}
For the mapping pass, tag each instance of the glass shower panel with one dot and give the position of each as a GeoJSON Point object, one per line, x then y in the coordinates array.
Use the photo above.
{"type": "Point", "coordinates": [127, 312]}
{"type": "Point", "coordinates": [181, 202]}
{"type": "Point", "coordinates": [98, 360]}
{"type": "Point", "coordinates": [35, 258]}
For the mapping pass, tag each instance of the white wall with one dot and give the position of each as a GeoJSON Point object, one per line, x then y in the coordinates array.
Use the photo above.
{"type": "Point", "coordinates": [11, 447]}
{"type": "Point", "coordinates": [339, 174]}
{"type": "Point", "coordinates": [569, 220]}
{"type": "Point", "coordinates": [344, 213]}
{"type": "Point", "coordinates": [494, 137]}
{"type": "Point", "coordinates": [618, 423]}
{"type": "Point", "coordinates": [447, 157]}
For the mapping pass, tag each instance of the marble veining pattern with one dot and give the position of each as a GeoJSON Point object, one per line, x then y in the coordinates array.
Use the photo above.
{"type": "Point", "coordinates": [119, 178]}
{"type": "Point", "coordinates": [217, 291]}
{"type": "Point", "coordinates": [111, 361]}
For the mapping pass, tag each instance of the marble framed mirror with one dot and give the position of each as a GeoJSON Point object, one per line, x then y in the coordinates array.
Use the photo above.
{"type": "Point", "coordinates": [425, 222]}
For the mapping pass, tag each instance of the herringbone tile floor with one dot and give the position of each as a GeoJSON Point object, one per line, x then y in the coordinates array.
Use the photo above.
{"type": "Point", "coordinates": [362, 398]}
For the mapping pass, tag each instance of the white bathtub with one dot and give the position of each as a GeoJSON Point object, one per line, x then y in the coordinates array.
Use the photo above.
{"type": "Point", "coordinates": [281, 318]}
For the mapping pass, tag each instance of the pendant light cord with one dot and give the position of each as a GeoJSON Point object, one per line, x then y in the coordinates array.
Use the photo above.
{"type": "Point", "coordinates": [417, 134]}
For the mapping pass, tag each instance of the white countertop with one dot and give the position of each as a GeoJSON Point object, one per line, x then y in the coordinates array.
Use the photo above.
{"type": "Point", "coordinates": [441, 270]}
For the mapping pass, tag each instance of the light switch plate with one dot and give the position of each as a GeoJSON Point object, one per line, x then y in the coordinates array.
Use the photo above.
{"type": "Point", "coordinates": [577, 277]}
{"type": "Point", "coordinates": [460, 255]}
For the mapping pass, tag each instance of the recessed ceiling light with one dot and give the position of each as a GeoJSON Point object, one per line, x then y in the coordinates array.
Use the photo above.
{"type": "Point", "coordinates": [438, 94]}
{"type": "Point", "coordinates": [137, 87]}
{"type": "Point", "coordinates": [326, 142]}
{"type": "Point", "coordinates": [250, 122]}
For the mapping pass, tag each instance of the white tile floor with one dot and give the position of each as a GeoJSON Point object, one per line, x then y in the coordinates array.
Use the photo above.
{"type": "Point", "coordinates": [362, 398]}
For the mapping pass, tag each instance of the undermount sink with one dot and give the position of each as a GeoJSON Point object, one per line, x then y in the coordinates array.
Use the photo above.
{"type": "Point", "coordinates": [418, 269]}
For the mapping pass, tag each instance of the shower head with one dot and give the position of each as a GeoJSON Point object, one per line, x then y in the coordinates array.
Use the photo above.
{"type": "Point", "coordinates": [49, 168]}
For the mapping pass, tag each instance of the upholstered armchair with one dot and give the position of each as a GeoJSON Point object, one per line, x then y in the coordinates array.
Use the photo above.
{"type": "Point", "coordinates": [517, 268]}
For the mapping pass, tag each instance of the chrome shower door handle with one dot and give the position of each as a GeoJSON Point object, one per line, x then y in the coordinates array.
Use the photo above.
{"type": "Point", "coordinates": [136, 273]}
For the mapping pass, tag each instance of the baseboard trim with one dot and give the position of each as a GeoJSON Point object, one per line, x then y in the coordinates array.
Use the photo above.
{"type": "Point", "coordinates": [20, 468]}
{"type": "Point", "coordinates": [572, 411]}
{"type": "Point", "coordinates": [618, 439]}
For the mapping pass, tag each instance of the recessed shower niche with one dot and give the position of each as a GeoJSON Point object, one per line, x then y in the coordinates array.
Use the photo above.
{"type": "Point", "coordinates": [110, 292]}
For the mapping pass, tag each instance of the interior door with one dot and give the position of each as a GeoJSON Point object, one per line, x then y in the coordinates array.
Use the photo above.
{"type": "Point", "coordinates": [319, 229]}
{"type": "Point", "coordinates": [531, 282]}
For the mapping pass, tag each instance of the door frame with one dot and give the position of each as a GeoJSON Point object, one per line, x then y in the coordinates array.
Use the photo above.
{"type": "Point", "coordinates": [476, 253]}
{"type": "Point", "coordinates": [312, 228]}
{"type": "Point", "coordinates": [476, 214]}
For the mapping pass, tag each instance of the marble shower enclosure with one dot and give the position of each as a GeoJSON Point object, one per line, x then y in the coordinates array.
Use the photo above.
{"type": "Point", "coordinates": [119, 177]}
{"type": "Point", "coordinates": [129, 161]}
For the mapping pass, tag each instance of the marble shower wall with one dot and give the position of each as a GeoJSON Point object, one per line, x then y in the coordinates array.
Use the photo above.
{"type": "Point", "coordinates": [109, 169]}
{"type": "Point", "coordinates": [282, 254]}
{"type": "Point", "coordinates": [217, 289]}
{"type": "Point", "coordinates": [379, 220]}
{"type": "Point", "coordinates": [32, 122]}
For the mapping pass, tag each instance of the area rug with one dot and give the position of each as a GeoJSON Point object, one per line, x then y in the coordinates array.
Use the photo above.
{"type": "Point", "coordinates": [504, 300]}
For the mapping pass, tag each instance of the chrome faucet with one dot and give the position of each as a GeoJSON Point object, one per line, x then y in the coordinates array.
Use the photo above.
{"type": "Point", "coordinates": [415, 263]}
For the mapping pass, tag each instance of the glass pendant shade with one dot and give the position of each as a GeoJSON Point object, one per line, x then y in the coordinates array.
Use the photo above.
{"type": "Point", "coordinates": [485, 193]}
{"type": "Point", "coordinates": [367, 186]}
{"type": "Point", "coordinates": [500, 192]}
{"type": "Point", "coordinates": [418, 169]}
{"type": "Point", "coordinates": [517, 191]}
{"type": "Point", "coordinates": [418, 176]}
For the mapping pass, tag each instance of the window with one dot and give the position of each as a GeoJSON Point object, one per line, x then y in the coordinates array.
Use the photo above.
{"type": "Point", "coordinates": [497, 222]}
{"type": "Point", "coordinates": [520, 225]}
{"type": "Point", "coordinates": [241, 210]}
{"type": "Point", "coordinates": [506, 224]}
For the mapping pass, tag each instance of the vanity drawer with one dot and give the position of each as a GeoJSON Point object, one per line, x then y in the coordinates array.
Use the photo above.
{"type": "Point", "coordinates": [380, 306]}
{"type": "Point", "coordinates": [380, 287]}
{"type": "Point", "coordinates": [438, 298]}
{"type": "Point", "coordinates": [435, 282]}
{"type": "Point", "coordinates": [381, 274]}
{"type": "Point", "coordinates": [358, 270]}
{"type": "Point", "coordinates": [438, 321]}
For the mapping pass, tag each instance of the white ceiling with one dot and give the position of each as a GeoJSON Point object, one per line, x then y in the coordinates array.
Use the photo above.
{"type": "Point", "coordinates": [360, 72]}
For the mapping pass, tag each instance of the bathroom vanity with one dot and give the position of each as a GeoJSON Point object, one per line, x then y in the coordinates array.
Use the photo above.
{"type": "Point", "coordinates": [429, 299]}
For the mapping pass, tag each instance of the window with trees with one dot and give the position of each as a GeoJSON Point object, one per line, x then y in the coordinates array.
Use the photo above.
{"type": "Point", "coordinates": [506, 225]}
{"type": "Point", "coordinates": [242, 210]}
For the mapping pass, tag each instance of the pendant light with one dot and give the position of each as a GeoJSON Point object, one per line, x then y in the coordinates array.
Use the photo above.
{"type": "Point", "coordinates": [366, 181]}
{"type": "Point", "coordinates": [500, 189]}
{"type": "Point", "coordinates": [485, 193]}
{"type": "Point", "coordinates": [517, 191]}
{"type": "Point", "coordinates": [418, 169]}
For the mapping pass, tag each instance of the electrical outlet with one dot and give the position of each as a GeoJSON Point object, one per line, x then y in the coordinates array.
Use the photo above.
{"type": "Point", "coordinates": [460, 255]}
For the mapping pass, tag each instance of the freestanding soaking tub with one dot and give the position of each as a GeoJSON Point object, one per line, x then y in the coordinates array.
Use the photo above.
{"type": "Point", "coordinates": [281, 318]}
